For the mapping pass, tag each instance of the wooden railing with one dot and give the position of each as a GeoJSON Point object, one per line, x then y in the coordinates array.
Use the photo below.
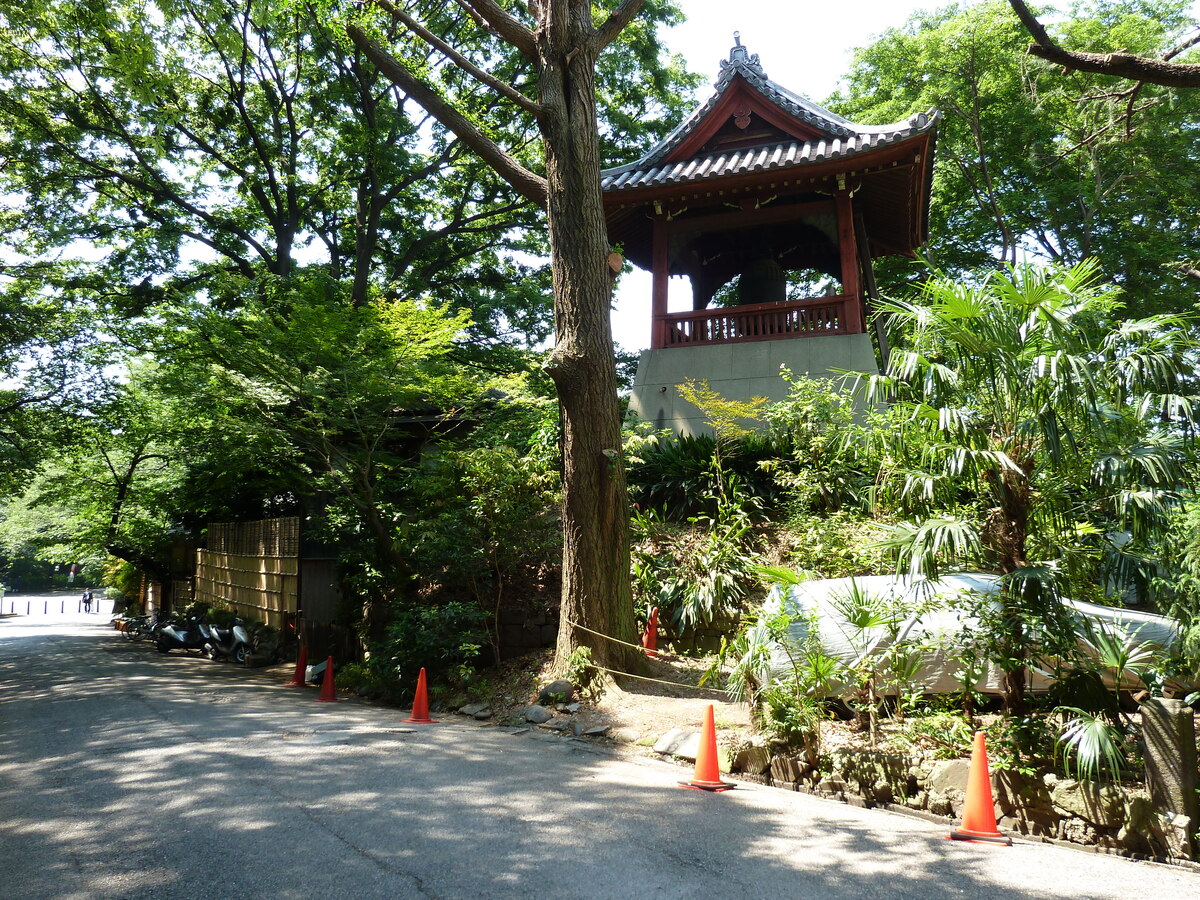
{"type": "Point", "coordinates": [759, 322]}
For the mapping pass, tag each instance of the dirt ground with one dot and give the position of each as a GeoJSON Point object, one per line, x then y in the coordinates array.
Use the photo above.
{"type": "Point", "coordinates": [638, 710]}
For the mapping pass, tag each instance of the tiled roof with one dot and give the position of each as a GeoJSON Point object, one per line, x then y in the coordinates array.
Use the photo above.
{"type": "Point", "coordinates": [845, 138]}
{"type": "Point", "coordinates": [751, 159]}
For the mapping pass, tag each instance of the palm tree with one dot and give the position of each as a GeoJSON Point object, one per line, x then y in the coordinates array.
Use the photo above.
{"type": "Point", "coordinates": [1066, 424]}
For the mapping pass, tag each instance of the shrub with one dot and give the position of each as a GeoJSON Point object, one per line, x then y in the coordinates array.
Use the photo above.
{"type": "Point", "coordinates": [443, 639]}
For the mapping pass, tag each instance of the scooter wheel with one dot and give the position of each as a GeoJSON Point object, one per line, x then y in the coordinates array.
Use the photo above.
{"type": "Point", "coordinates": [161, 646]}
{"type": "Point", "coordinates": [239, 654]}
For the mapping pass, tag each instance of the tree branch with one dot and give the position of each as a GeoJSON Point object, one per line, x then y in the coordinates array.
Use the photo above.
{"type": "Point", "coordinates": [1185, 44]}
{"type": "Point", "coordinates": [616, 22]}
{"type": "Point", "coordinates": [529, 184]}
{"type": "Point", "coordinates": [507, 26]}
{"type": "Point", "coordinates": [1120, 65]}
{"type": "Point", "coordinates": [502, 88]}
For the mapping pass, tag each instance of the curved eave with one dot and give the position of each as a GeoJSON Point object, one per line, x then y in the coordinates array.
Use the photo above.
{"type": "Point", "coordinates": [891, 181]}
{"type": "Point", "coordinates": [740, 77]}
{"type": "Point", "coordinates": [849, 153]}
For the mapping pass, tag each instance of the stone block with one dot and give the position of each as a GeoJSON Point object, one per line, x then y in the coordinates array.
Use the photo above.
{"type": "Point", "coordinates": [948, 775]}
{"type": "Point", "coordinates": [1100, 805]}
{"type": "Point", "coordinates": [1169, 732]}
{"type": "Point", "coordinates": [753, 759]}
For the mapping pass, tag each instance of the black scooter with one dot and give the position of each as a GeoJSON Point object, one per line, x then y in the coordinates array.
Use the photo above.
{"type": "Point", "coordinates": [229, 643]}
{"type": "Point", "coordinates": [179, 636]}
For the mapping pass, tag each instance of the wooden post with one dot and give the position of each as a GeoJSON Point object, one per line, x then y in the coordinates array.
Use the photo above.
{"type": "Point", "coordinates": [662, 273]}
{"type": "Point", "coordinates": [849, 258]}
{"type": "Point", "coordinates": [871, 290]}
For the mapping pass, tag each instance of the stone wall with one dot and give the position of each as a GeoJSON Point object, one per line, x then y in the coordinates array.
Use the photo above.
{"type": "Point", "coordinates": [1111, 818]}
{"type": "Point", "coordinates": [522, 632]}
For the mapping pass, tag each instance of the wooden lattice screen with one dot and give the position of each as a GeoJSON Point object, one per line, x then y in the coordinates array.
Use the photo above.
{"type": "Point", "coordinates": [251, 567]}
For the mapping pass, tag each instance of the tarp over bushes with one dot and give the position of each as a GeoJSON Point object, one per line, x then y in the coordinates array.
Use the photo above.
{"type": "Point", "coordinates": [932, 620]}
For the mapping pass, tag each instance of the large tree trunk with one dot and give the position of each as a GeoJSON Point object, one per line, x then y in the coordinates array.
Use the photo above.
{"type": "Point", "coordinates": [595, 592]}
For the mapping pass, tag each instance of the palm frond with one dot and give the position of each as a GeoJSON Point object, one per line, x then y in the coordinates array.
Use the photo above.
{"type": "Point", "coordinates": [1090, 746]}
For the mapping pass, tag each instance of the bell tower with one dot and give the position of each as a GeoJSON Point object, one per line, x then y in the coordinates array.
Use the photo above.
{"type": "Point", "coordinates": [773, 208]}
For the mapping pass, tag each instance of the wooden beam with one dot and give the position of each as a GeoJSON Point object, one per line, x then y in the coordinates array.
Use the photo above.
{"type": "Point", "coordinates": [772, 215]}
{"type": "Point", "coordinates": [661, 284]}
{"type": "Point", "coordinates": [849, 259]}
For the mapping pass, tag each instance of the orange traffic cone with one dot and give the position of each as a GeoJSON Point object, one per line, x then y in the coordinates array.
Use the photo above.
{"type": "Point", "coordinates": [301, 667]}
{"type": "Point", "coordinates": [328, 688]}
{"type": "Point", "coordinates": [650, 638]}
{"type": "Point", "coordinates": [708, 770]}
{"type": "Point", "coordinates": [420, 709]}
{"type": "Point", "coordinates": [979, 813]}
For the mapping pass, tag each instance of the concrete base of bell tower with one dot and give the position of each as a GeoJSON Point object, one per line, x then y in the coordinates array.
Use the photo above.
{"type": "Point", "coordinates": [738, 371]}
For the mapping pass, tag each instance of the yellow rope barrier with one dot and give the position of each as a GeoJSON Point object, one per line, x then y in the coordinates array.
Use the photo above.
{"type": "Point", "coordinates": [676, 684]}
{"type": "Point", "coordinates": [692, 687]}
{"type": "Point", "coordinates": [575, 624]}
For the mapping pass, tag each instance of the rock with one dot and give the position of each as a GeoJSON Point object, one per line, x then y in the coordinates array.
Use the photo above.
{"type": "Point", "coordinates": [1077, 832]}
{"type": "Point", "coordinates": [831, 786]}
{"type": "Point", "coordinates": [556, 691]}
{"type": "Point", "coordinates": [569, 707]}
{"type": "Point", "coordinates": [670, 741]}
{"type": "Point", "coordinates": [785, 770]}
{"type": "Point", "coordinates": [1177, 829]}
{"type": "Point", "coordinates": [626, 735]}
{"type": "Point", "coordinates": [752, 758]}
{"type": "Point", "coordinates": [537, 714]}
{"type": "Point", "coordinates": [1100, 805]}
{"type": "Point", "coordinates": [882, 792]}
{"type": "Point", "coordinates": [483, 714]}
{"type": "Point", "coordinates": [949, 775]}
{"type": "Point", "coordinates": [689, 747]}
{"type": "Point", "coordinates": [598, 730]}
{"type": "Point", "coordinates": [472, 709]}
{"type": "Point", "coordinates": [1133, 841]}
{"type": "Point", "coordinates": [558, 723]}
{"type": "Point", "coordinates": [940, 806]}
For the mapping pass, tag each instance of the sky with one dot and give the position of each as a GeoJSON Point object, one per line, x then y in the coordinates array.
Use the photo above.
{"type": "Point", "coordinates": [804, 46]}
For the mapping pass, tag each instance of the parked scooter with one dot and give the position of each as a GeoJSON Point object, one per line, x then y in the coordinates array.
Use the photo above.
{"type": "Point", "coordinates": [229, 643]}
{"type": "Point", "coordinates": [179, 636]}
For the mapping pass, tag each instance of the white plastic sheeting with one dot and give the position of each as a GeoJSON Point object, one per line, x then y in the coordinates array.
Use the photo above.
{"type": "Point", "coordinates": [932, 622]}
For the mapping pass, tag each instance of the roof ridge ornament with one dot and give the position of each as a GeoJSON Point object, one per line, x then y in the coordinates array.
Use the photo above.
{"type": "Point", "coordinates": [739, 58]}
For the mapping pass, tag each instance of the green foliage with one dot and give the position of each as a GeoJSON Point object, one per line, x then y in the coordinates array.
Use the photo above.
{"type": "Point", "coordinates": [795, 718]}
{"type": "Point", "coordinates": [1033, 161]}
{"type": "Point", "coordinates": [1091, 747]}
{"type": "Point", "coordinates": [482, 514]}
{"type": "Point", "coordinates": [677, 476]}
{"type": "Point", "coordinates": [697, 575]}
{"type": "Point", "coordinates": [1022, 744]}
{"type": "Point", "coordinates": [1062, 427]}
{"type": "Point", "coordinates": [839, 545]}
{"type": "Point", "coordinates": [724, 416]}
{"type": "Point", "coordinates": [581, 671]}
{"type": "Point", "coordinates": [824, 446]}
{"type": "Point", "coordinates": [951, 736]}
{"type": "Point", "coordinates": [1176, 582]}
{"type": "Point", "coordinates": [444, 639]}
{"type": "Point", "coordinates": [743, 664]}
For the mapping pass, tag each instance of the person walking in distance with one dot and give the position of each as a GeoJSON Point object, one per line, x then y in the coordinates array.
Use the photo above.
{"type": "Point", "coordinates": [87, 600]}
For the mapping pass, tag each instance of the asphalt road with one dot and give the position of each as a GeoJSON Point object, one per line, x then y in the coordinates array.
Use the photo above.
{"type": "Point", "coordinates": [128, 774]}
